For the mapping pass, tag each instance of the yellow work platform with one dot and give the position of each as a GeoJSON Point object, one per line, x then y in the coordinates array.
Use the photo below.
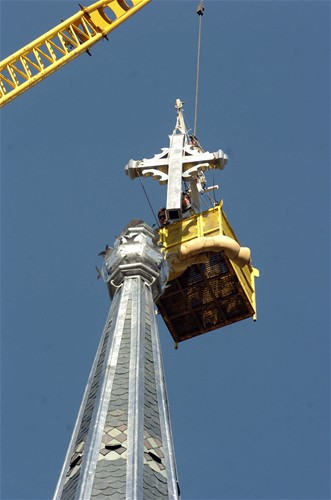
{"type": "Point", "coordinates": [211, 282]}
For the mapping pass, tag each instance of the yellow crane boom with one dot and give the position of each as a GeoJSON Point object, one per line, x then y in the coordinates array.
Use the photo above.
{"type": "Point", "coordinates": [34, 62]}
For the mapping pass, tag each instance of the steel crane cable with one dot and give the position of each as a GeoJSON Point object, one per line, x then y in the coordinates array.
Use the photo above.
{"type": "Point", "coordinates": [200, 11]}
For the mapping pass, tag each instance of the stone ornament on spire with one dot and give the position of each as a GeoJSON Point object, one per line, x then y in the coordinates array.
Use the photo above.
{"type": "Point", "coordinates": [184, 160]}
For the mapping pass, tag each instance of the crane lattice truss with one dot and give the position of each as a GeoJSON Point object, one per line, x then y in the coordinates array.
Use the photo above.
{"type": "Point", "coordinates": [34, 62]}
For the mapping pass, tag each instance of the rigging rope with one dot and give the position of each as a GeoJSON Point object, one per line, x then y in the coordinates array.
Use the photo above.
{"type": "Point", "coordinates": [147, 198]}
{"type": "Point", "coordinates": [200, 11]}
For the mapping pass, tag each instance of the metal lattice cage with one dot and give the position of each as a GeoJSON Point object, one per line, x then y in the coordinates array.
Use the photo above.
{"type": "Point", "coordinates": [209, 294]}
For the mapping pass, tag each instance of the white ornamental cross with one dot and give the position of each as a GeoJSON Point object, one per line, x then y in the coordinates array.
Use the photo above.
{"type": "Point", "coordinates": [181, 161]}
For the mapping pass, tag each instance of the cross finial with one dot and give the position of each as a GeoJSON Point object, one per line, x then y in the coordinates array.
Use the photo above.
{"type": "Point", "coordinates": [179, 104]}
{"type": "Point", "coordinates": [180, 123]}
{"type": "Point", "coordinates": [180, 162]}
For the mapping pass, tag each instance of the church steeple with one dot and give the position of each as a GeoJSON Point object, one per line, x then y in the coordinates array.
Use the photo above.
{"type": "Point", "coordinates": [122, 445]}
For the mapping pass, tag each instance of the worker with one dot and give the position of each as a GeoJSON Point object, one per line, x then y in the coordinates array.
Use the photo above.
{"type": "Point", "coordinates": [187, 209]}
{"type": "Point", "coordinates": [194, 143]}
{"type": "Point", "coordinates": [162, 216]}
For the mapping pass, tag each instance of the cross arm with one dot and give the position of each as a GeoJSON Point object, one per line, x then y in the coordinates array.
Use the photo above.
{"type": "Point", "coordinates": [136, 168]}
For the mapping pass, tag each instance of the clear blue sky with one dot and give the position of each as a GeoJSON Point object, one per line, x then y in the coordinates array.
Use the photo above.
{"type": "Point", "coordinates": [249, 404]}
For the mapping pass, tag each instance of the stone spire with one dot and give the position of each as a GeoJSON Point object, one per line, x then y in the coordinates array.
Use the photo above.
{"type": "Point", "coordinates": [122, 445]}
